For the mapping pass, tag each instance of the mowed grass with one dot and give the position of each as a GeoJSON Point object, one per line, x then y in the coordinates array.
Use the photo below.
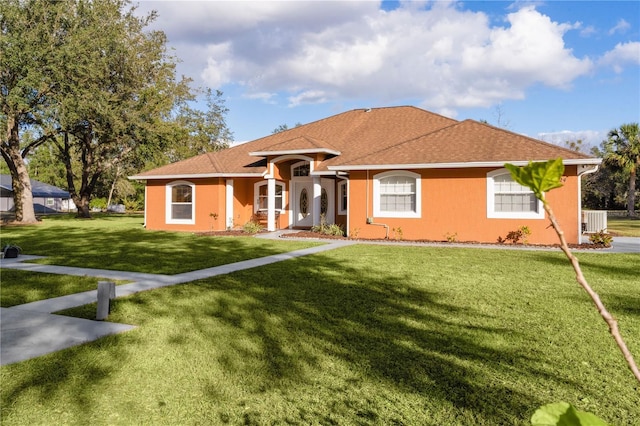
{"type": "Point", "coordinates": [366, 334]}
{"type": "Point", "coordinates": [624, 226]}
{"type": "Point", "coordinates": [18, 287]}
{"type": "Point", "coordinates": [118, 242]}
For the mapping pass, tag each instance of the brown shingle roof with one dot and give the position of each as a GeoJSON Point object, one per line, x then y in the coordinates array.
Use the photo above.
{"type": "Point", "coordinates": [378, 136]}
{"type": "Point", "coordinates": [467, 142]}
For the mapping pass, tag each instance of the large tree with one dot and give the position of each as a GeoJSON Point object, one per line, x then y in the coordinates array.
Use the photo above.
{"type": "Point", "coordinates": [623, 149]}
{"type": "Point", "coordinates": [117, 92]}
{"type": "Point", "coordinates": [90, 79]}
{"type": "Point", "coordinates": [28, 57]}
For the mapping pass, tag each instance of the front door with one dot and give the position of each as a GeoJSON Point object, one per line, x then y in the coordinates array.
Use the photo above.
{"type": "Point", "coordinates": [303, 204]}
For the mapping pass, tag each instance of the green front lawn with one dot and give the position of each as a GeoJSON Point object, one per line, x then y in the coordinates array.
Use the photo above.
{"type": "Point", "coordinates": [365, 334]}
{"type": "Point", "coordinates": [119, 242]}
{"type": "Point", "coordinates": [624, 226]}
{"type": "Point", "coordinates": [20, 287]}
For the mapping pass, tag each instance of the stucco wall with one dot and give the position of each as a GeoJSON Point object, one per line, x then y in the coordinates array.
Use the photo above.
{"type": "Point", "coordinates": [454, 202]}
{"type": "Point", "coordinates": [209, 198]}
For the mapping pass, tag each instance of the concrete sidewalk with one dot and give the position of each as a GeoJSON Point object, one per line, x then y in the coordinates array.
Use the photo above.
{"type": "Point", "coordinates": [31, 330]}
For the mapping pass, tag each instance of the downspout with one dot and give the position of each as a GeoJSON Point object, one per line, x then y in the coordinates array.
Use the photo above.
{"type": "Point", "coordinates": [582, 170]}
{"type": "Point", "coordinates": [370, 218]}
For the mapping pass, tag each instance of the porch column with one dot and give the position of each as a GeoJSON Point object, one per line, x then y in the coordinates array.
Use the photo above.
{"type": "Point", "coordinates": [271, 204]}
{"type": "Point", "coordinates": [317, 195]}
{"type": "Point", "coordinates": [229, 204]}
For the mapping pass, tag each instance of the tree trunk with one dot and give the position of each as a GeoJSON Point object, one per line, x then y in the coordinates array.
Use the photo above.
{"type": "Point", "coordinates": [22, 195]}
{"type": "Point", "coordinates": [84, 212]}
{"type": "Point", "coordinates": [631, 196]}
{"type": "Point", "coordinates": [113, 186]}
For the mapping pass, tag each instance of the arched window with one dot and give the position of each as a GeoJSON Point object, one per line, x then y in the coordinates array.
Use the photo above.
{"type": "Point", "coordinates": [397, 194]}
{"type": "Point", "coordinates": [180, 198]}
{"type": "Point", "coordinates": [508, 199]}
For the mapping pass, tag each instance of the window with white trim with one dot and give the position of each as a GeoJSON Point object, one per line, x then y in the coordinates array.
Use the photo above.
{"type": "Point", "coordinates": [508, 199]}
{"type": "Point", "coordinates": [397, 194]}
{"type": "Point", "coordinates": [343, 199]}
{"type": "Point", "coordinates": [180, 203]}
{"type": "Point", "coordinates": [301, 169]}
{"type": "Point", "coordinates": [261, 191]}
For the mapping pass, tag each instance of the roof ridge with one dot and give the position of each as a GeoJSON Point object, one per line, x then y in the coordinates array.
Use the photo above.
{"type": "Point", "coordinates": [394, 146]}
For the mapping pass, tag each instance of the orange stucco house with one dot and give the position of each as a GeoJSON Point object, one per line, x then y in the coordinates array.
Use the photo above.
{"type": "Point", "coordinates": [381, 172]}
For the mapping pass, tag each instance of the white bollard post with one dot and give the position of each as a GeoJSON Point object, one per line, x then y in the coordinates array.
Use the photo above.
{"type": "Point", "coordinates": [106, 292]}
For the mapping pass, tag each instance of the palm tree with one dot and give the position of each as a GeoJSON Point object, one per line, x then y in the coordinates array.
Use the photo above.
{"type": "Point", "coordinates": [623, 149]}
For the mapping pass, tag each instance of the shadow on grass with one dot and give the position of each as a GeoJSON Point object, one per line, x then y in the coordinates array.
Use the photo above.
{"type": "Point", "coordinates": [117, 243]}
{"type": "Point", "coordinates": [382, 327]}
{"type": "Point", "coordinates": [340, 342]}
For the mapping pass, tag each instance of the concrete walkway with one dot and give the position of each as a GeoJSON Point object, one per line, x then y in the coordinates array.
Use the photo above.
{"type": "Point", "coordinates": [31, 330]}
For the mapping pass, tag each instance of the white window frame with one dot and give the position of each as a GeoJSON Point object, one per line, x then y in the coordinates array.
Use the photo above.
{"type": "Point", "coordinates": [492, 214]}
{"type": "Point", "coordinates": [378, 212]}
{"type": "Point", "coordinates": [300, 164]}
{"type": "Point", "coordinates": [256, 193]}
{"type": "Point", "coordinates": [169, 203]}
{"type": "Point", "coordinates": [341, 197]}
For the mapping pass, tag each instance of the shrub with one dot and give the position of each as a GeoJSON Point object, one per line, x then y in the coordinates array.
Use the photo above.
{"type": "Point", "coordinates": [132, 205]}
{"type": "Point", "coordinates": [601, 238]}
{"type": "Point", "coordinates": [397, 233]}
{"type": "Point", "coordinates": [252, 227]}
{"type": "Point", "coordinates": [452, 238]}
{"type": "Point", "coordinates": [326, 229]}
{"type": "Point", "coordinates": [520, 234]}
{"type": "Point", "coordinates": [98, 203]}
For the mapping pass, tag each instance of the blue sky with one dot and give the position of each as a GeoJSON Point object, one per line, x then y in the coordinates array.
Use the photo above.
{"type": "Point", "coordinates": [554, 70]}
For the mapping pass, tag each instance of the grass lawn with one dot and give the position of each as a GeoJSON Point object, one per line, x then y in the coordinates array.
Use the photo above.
{"type": "Point", "coordinates": [624, 226]}
{"type": "Point", "coordinates": [20, 287]}
{"type": "Point", "coordinates": [119, 242]}
{"type": "Point", "coordinates": [365, 334]}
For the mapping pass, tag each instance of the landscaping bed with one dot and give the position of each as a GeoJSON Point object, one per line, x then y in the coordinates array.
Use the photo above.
{"type": "Point", "coordinates": [318, 235]}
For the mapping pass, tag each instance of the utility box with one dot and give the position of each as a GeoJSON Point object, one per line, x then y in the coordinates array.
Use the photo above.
{"type": "Point", "coordinates": [106, 292]}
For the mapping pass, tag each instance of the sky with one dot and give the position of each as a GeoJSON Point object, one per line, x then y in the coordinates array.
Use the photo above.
{"type": "Point", "coordinates": [553, 70]}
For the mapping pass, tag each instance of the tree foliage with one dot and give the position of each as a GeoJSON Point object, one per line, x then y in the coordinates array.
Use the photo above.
{"type": "Point", "coordinates": [623, 149]}
{"type": "Point", "coordinates": [99, 87]}
{"type": "Point", "coordinates": [28, 42]}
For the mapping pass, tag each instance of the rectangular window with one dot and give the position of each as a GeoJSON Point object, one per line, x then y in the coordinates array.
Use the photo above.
{"type": "Point", "coordinates": [510, 196]}
{"type": "Point", "coordinates": [343, 200]}
{"type": "Point", "coordinates": [507, 199]}
{"type": "Point", "coordinates": [263, 196]}
{"type": "Point", "coordinates": [50, 202]}
{"type": "Point", "coordinates": [181, 203]}
{"type": "Point", "coordinates": [398, 194]}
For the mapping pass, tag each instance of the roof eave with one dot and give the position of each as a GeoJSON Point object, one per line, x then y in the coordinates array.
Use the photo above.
{"type": "Point", "coordinates": [195, 176]}
{"type": "Point", "coordinates": [295, 152]}
{"type": "Point", "coordinates": [460, 165]}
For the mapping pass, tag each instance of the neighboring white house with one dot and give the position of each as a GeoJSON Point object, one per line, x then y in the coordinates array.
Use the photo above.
{"type": "Point", "coordinates": [46, 198]}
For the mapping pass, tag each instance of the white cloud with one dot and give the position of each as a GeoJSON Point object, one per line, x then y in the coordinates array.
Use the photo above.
{"type": "Point", "coordinates": [588, 31]}
{"type": "Point", "coordinates": [435, 52]}
{"type": "Point", "coordinates": [622, 54]}
{"type": "Point", "coordinates": [621, 27]}
{"type": "Point", "coordinates": [308, 97]}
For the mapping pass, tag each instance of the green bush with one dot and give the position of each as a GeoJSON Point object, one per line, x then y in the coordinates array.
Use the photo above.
{"type": "Point", "coordinates": [327, 229]}
{"type": "Point", "coordinates": [601, 238]}
{"type": "Point", "coordinates": [98, 203]}
{"type": "Point", "coordinates": [252, 227]}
